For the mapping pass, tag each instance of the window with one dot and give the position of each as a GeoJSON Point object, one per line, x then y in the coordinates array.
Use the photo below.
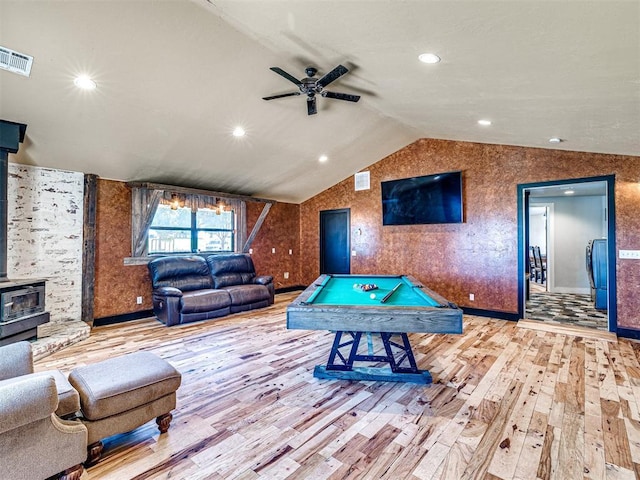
{"type": "Point", "coordinates": [181, 230]}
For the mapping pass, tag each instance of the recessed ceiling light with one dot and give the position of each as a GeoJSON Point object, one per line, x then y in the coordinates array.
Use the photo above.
{"type": "Point", "coordinates": [555, 140]}
{"type": "Point", "coordinates": [323, 158]}
{"type": "Point", "coordinates": [485, 123]}
{"type": "Point", "coordinates": [84, 82]}
{"type": "Point", "coordinates": [238, 132]}
{"type": "Point", "coordinates": [569, 192]}
{"type": "Point", "coordinates": [429, 58]}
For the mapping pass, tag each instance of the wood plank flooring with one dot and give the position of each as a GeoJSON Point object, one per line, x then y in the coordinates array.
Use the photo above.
{"type": "Point", "coordinates": [508, 402]}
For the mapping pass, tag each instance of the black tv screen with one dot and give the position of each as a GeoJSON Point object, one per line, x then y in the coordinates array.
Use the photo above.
{"type": "Point", "coordinates": [423, 200]}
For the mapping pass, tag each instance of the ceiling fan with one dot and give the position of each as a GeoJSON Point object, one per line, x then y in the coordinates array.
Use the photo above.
{"type": "Point", "coordinates": [312, 87]}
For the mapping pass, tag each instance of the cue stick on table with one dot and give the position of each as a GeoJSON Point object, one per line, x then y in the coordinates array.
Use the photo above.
{"type": "Point", "coordinates": [388, 295]}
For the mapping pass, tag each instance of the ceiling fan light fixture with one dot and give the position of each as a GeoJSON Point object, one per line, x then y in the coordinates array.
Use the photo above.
{"type": "Point", "coordinates": [429, 58]}
{"type": "Point", "coordinates": [239, 132]}
{"type": "Point", "coordinates": [323, 158]}
{"type": "Point", "coordinates": [484, 122]}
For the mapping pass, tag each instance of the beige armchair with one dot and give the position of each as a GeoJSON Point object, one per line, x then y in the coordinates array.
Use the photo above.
{"type": "Point", "coordinates": [35, 443]}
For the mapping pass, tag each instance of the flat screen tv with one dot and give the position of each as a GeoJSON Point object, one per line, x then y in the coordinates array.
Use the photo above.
{"type": "Point", "coordinates": [423, 200]}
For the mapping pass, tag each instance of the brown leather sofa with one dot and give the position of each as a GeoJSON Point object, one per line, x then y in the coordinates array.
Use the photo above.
{"type": "Point", "coordinates": [192, 288]}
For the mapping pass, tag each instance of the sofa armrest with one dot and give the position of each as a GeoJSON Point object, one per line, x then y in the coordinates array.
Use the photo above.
{"type": "Point", "coordinates": [166, 305]}
{"type": "Point", "coordinates": [16, 359]}
{"type": "Point", "coordinates": [27, 401]}
{"type": "Point", "coordinates": [267, 281]}
{"type": "Point", "coordinates": [263, 279]}
{"type": "Point", "coordinates": [168, 291]}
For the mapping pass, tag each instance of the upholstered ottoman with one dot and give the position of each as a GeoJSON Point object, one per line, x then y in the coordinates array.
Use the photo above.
{"type": "Point", "coordinates": [122, 393]}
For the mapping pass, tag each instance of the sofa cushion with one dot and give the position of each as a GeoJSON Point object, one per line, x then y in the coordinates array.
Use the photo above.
{"type": "Point", "coordinates": [183, 272]}
{"type": "Point", "coordinates": [204, 301]}
{"type": "Point", "coordinates": [229, 279]}
{"type": "Point", "coordinates": [68, 398]}
{"type": "Point", "coordinates": [231, 269]}
{"type": "Point", "coordinates": [232, 262]}
{"type": "Point", "coordinates": [247, 294]}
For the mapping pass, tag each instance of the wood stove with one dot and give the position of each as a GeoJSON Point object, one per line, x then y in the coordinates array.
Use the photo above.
{"type": "Point", "coordinates": [21, 309]}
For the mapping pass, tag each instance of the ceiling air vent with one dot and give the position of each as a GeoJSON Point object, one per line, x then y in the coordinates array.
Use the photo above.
{"type": "Point", "coordinates": [15, 62]}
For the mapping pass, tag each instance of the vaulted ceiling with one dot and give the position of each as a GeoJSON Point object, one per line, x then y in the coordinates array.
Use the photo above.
{"type": "Point", "coordinates": [174, 78]}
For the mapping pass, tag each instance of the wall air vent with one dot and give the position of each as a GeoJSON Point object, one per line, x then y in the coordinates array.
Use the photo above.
{"type": "Point", "coordinates": [15, 62]}
{"type": "Point", "coordinates": [362, 181]}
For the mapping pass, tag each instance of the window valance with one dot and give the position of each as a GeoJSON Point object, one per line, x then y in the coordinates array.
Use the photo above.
{"type": "Point", "coordinates": [147, 196]}
{"type": "Point", "coordinates": [194, 202]}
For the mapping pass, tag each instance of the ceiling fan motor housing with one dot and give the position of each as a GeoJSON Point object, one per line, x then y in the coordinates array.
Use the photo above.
{"type": "Point", "coordinates": [312, 87]}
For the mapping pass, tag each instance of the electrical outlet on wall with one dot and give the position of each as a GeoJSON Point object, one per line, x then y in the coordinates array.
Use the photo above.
{"type": "Point", "coordinates": [286, 275]}
{"type": "Point", "coordinates": [472, 297]}
{"type": "Point", "coordinates": [139, 300]}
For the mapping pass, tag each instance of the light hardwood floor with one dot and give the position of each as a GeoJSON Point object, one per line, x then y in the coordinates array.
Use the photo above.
{"type": "Point", "coordinates": [508, 402]}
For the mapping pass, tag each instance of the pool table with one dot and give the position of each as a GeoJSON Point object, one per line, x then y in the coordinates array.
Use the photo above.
{"type": "Point", "coordinates": [357, 307]}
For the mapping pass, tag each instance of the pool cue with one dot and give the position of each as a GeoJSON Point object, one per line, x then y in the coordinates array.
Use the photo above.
{"type": "Point", "coordinates": [388, 295]}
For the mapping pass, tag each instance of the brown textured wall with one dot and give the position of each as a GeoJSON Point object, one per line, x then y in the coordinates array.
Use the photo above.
{"type": "Point", "coordinates": [117, 285]}
{"type": "Point", "coordinates": [480, 255]}
{"type": "Point", "coordinates": [280, 230]}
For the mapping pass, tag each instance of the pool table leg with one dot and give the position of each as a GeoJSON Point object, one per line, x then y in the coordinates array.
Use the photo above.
{"type": "Point", "coordinates": [405, 350]}
{"type": "Point", "coordinates": [345, 364]}
{"type": "Point", "coordinates": [398, 371]}
{"type": "Point", "coordinates": [402, 361]}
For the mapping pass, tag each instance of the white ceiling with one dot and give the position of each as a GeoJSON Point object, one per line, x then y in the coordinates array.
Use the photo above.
{"type": "Point", "coordinates": [175, 77]}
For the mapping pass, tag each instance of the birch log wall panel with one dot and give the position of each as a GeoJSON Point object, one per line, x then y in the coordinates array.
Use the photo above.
{"type": "Point", "coordinates": [479, 256]}
{"type": "Point", "coordinates": [117, 285]}
{"type": "Point", "coordinates": [44, 234]}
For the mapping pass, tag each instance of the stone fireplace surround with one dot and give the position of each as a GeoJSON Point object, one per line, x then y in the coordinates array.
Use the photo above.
{"type": "Point", "coordinates": [44, 240]}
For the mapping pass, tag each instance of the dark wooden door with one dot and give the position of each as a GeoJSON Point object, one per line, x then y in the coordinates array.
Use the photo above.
{"type": "Point", "coordinates": [335, 243]}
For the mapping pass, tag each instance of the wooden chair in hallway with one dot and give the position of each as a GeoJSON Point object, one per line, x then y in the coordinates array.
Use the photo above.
{"type": "Point", "coordinates": [533, 270]}
{"type": "Point", "coordinates": [541, 266]}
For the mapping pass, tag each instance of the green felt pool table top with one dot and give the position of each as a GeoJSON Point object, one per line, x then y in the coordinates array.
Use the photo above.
{"type": "Point", "coordinates": [347, 290]}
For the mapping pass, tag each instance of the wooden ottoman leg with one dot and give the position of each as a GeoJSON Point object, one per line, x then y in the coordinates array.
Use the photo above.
{"type": "Point", "coordinates": [73, 473]}
{"type": "Point", "coordinates": [94, 452]}
{"type": "Point", "coordinates": [163, 422]}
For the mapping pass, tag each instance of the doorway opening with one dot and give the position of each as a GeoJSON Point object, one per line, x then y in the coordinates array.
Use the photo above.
{"type": "Point", "coordinates": [562, 220]}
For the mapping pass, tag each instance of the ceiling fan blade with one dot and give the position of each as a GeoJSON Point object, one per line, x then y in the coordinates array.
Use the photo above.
{"type": "Point", "coordinates": [342, 96]}
{"type": "Point", "coordinates": [272, 97]}
{"type": "Point", "coordinates": [311, 106]}
{"type": "Point", "coordinates": [291, 78]}
{"type": "Point", "coordinates": [332, 75]}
